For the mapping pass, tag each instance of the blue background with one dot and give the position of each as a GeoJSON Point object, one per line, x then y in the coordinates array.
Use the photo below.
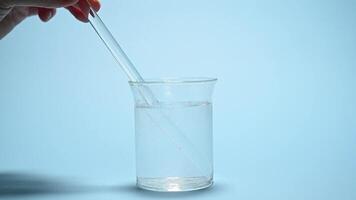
{"type": "Point", "coordinates": [284, 105]}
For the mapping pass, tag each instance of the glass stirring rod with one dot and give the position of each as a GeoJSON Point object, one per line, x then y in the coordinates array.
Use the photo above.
{"type": "Point", "coordinates": [113, 46]}
{"type": "Point", "coordinates": [178, 137]}
{"type": "Point", "coordinates": [119, 55]}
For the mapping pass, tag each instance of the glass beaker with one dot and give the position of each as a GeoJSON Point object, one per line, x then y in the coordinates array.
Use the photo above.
{"type": "Point", "coordinates": [174, 136]}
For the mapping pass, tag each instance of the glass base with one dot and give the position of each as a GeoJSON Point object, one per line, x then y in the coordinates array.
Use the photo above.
{"type": "Point", "coordinates": [174, 184]}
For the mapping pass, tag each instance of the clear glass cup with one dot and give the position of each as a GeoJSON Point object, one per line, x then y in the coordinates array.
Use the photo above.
{"type": "Point", "coordinates": [174, 136]}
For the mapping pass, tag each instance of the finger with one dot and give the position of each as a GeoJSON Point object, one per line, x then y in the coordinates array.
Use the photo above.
{"type": "Point", "coordinates": [39, 3]}
{"type": "Point", "coordinates": [45, 14]}
{"type": "Point", "coordinates": [84, 6]}
{"type": "Point", "coordinates": [3, 12]}
{"type": "Point", "coordinates": [15, 17]}
{"type": "Point", "coordinates": [54, 11]}
{"type": "Point", "coordinates": [77, 13]}
{"type": "Point", "coordinates": [95, 4]}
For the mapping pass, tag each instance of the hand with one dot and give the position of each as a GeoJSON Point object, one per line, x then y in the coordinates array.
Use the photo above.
{"type": "Point", "coordinates": [12, 12]}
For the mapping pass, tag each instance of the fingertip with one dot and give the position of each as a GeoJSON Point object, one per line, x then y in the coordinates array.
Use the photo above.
{"type": "Point", "coordinates": [44, 14]}
{"type": "Point", "coordinates": [95, 4]}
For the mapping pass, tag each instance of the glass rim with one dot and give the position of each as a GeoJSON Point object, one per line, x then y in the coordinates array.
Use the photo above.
{"type": "Point", "coordinates": [173, 80]}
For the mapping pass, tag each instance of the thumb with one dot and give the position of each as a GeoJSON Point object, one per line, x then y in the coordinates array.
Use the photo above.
{"type": "Point", "coordinates": [39, 3]}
